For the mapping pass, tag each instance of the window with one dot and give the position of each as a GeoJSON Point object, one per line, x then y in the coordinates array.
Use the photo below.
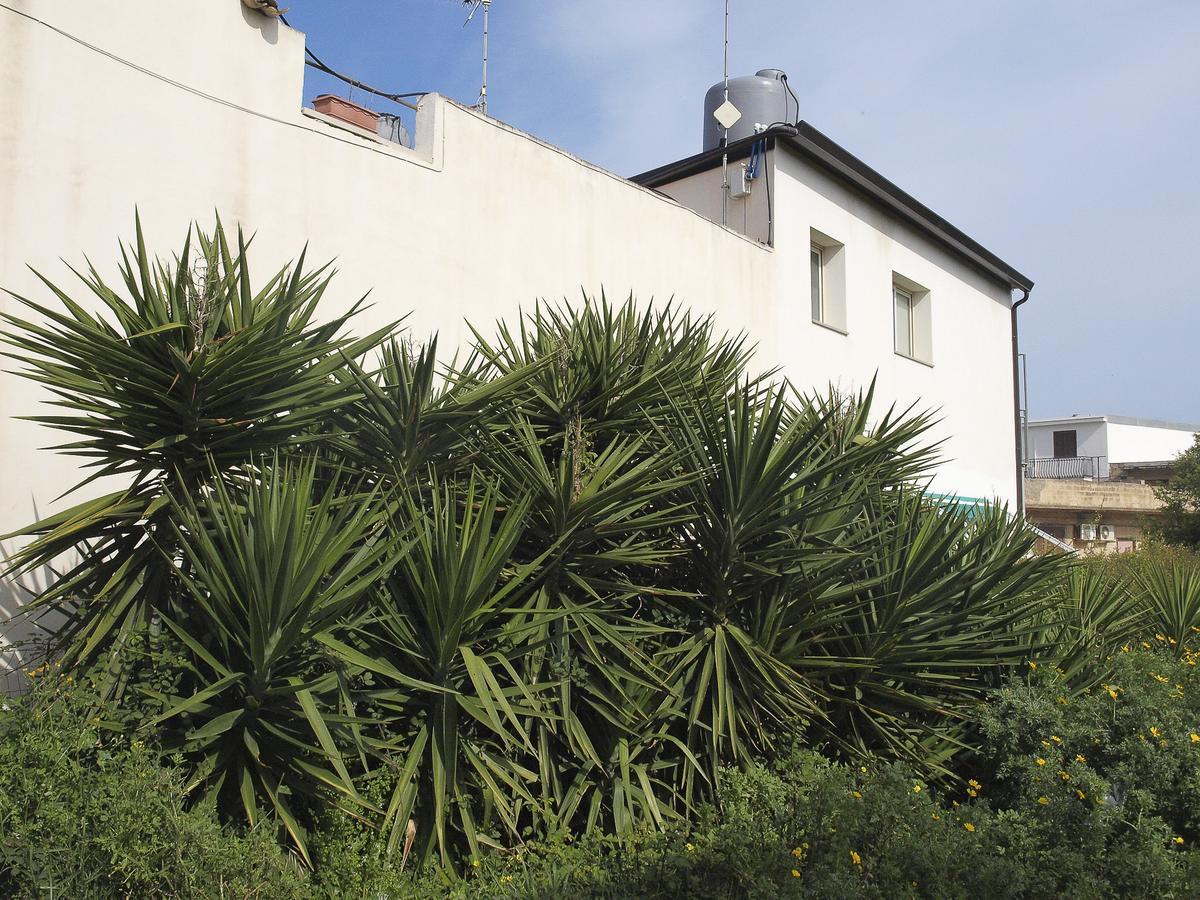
{"type": "Point", "coordinates": [1066, 444]}
{"type": "Point", "coordinates": [816, 258]}
{"type": "Point", "coordinates": [904, 321]}
{"type": "Point", "coordinates": [911, 318]}
{"type": "Point", "coordinates": [827, 281]}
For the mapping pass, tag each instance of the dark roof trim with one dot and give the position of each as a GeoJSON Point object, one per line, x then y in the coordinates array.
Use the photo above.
{"type": "Point", "coordinates": [815, 146]}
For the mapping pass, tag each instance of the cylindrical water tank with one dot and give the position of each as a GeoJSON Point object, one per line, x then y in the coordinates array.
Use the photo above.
{"type": "Point", "coordinates": [762, 99]}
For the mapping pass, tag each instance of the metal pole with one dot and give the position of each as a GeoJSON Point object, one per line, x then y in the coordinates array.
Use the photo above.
{"type": "Point", "coordinates": [487, 6]}
{"type": "Point", "coordinates": [725, 143]}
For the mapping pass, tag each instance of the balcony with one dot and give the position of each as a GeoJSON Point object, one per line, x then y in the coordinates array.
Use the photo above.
{"type": "Point", "coordinates": [1074, 467]}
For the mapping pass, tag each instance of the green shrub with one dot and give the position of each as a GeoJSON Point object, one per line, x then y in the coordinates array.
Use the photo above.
{"type": "Point", "coordinates": [86, 814]}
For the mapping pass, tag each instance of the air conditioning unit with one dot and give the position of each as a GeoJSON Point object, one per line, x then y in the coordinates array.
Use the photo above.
{"type": "Point", "coordinates": [1088, 532]}
{"type": "Point", "coordinates": [1108, 533]}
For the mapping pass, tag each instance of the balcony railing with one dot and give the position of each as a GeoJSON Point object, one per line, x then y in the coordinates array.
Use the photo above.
{"type": "Point", "coordinates": [1068, 467]}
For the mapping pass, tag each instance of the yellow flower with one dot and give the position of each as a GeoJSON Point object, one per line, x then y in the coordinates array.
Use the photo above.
{"type": "Point", "coordinates": [971, 792]}
{"type": "Point", "coordinates": [955, 802]}
{"type": "Point", "coordinates": [1145, 645]}
{"type": "Point", "coordinates": [1079, 758]}
{"type": "Point", "coordinates": [795, 873]}
{"type": "Point", "coordinates": [916, 789]}
{"type": "Point", "coordinates": [475, 863]}
{"type": "Point", "coordinates": [1161, 679]}
{"type": "Point", "coordinates": [1044, 801]}
{"type": "Point", "coordinates": [1032, 664]}
{"type": "Point", "coordinates": [1159, 637]}
{"type": "Point", "coordinates": [975, 784]}
{"type": "Point", "coordinates": [1040, 761]}
{"type": "Point", "coordinates": [798, 853]}
{"type": "Point", "coordinates": [506, 879]}
{"type": "Point", "coordinates": [1178, 839]}
{"type": "Point", "coordinates": [1172, 641]}
{"type": "Point", "coordinates": [1195, 738]}
{"type": "Point", "coordinates": [857, 795]}
{"type": "Point", "coordinates": [1046, 744]}
{"type": "Point", "coordinates": [968, 826]}
{"type": "Point", "coordinates": [863, 769]}
{"type": "Point", "coordinates": [1082, 795]}
{"type": "Point", "coordinates": [1056, 738]}
{"type": "Point", "coordinates": [936, 817]}
{"type": "Point", "coordinates": [1112, 692]}
{"type": "Point", "coordinates": [689, 847]}
{"type": "Point", "coordinates": [1064, 776]}
{"type": "Point", "coordinates": [1125, 649]}
{"type": "Point", "coordinates": [1154, 731]}
{"type": "Point", "coordinates": [855, 858]}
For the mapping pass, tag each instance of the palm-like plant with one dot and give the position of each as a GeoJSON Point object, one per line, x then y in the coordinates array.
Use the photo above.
{"type": "Point", "coordinates": [191, 372]}
{"type": "Point", "coordinates": [561, 584]}
{"type": "Point", "coordinates": [275, 567]}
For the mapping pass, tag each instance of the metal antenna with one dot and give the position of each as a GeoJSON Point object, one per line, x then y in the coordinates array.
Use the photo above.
{"type": "Point", "coordinates": [481, 103]}
{"type": "Point", "coordinates": [725, 143]}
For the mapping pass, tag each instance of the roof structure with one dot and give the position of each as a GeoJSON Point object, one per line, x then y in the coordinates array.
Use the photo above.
{"type": "Point", "coordinates": [814, 146]}
{"type": "Point", "coordinates": [1118, 420]}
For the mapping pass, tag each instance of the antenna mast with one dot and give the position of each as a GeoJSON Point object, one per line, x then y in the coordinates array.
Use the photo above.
{"type": "Point", "coordinates": [725, 143]}
{"type": "Point", "coordinates": [481, 103]}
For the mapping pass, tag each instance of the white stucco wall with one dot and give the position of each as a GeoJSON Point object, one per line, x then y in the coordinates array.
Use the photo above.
{"type": "Point", "coordinates": [201, 113]}
{"type": "Point", "coordinates": [1091, 436]}
{"type": "Point", "coordinates": [1112, 439]}
{"type": "Point", "coordinates": [969, 382]}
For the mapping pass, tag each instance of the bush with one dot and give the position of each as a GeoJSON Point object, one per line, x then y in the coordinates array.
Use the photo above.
{"type": "Point", "coordinates": [84, 813]}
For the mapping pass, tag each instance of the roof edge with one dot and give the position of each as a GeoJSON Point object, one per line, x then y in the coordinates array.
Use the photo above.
{"type": "Point", "coordinates": [817, 147]}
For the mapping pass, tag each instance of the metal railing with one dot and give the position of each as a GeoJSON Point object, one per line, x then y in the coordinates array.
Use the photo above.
{"type": "Point", "coordinates": [1066, 467]}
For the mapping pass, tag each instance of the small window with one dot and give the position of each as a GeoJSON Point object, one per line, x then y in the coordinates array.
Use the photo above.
{"type": "Point", "coordinates": [904, 321]}
{"type": "Point", "coordinates": [827, 280]}
{"type": "Point", "coordinates": [1066, 444]}
{"type": "Point", "coordinates": [816, 257]}
{"type": "Point", "coordinates": [912, 319]}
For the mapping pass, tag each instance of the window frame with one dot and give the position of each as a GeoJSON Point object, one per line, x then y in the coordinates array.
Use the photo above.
{"type": "Point", "coordinates": [897, 292]}
{"type": "Point", "coordinates": [816, 282]}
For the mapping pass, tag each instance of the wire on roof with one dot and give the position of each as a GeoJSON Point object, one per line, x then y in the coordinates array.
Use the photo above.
{"type": "Point", "coordinates": [315, 62]}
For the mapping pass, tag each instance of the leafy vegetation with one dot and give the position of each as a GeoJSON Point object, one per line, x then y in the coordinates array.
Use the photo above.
{"type": "Point", "coordinates": [1180, 523]}
{"type": "Point", "coordinates": [585, 583]}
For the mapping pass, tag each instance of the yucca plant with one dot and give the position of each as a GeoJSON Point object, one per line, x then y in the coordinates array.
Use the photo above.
{"type": "Point", "coordinates": [190, 371]}
{"type": "Point", "coordinates": [1170, 594]}
{"type": "Point", "coordinates": [560, 585]}
{"type": "Point", "coordinates": [274, 567]}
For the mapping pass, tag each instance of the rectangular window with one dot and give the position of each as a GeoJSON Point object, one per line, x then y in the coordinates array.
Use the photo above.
{"type": "Point", "coordinates": [817, 281]}
{"type": "Point", "coordinates": [1066, 444]}
{"type": "Point", "coordinates": [904, 321]}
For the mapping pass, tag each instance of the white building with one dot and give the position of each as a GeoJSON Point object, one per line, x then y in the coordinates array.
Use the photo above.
{"type": "Point", "coordinates": [1091, 446]}
{"type": "Point", "coordinates": [108, 105]}
{"type": "Point", "coordinates": [1090, 481]}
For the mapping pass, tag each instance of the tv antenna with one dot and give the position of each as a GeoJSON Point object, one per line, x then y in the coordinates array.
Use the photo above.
{"type": "Point", "coordinates": [486, 5]}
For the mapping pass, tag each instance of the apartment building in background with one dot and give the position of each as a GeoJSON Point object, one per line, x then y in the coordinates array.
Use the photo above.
{"type": "Point", "coordinates": [1090, 480]}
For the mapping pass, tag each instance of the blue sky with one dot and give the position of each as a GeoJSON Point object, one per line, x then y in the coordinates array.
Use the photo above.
{"type": "Point", "coordinates": [1062, 134]}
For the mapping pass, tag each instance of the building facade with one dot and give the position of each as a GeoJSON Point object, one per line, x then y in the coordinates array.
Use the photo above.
{"type": "Point", "coordinates": [837, 275]}
{"type": "Point", "coordinates": [1090, 480]}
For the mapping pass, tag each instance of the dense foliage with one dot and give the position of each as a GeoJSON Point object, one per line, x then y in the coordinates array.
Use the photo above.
{"type": "Point", "coordinates": [1069, 796]}
{"type": "Point", "coordinates": [1180, 522]}
{"type": "Point", "coordinates": [574, 583]}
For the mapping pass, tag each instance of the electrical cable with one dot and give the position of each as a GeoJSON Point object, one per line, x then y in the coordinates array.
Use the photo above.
{"type": "Point", "coordinates": [794, 97]}
{"type": "Point", "coordinates": [196, 92]}
{"type": "Point", "coordinates": [315, 62]}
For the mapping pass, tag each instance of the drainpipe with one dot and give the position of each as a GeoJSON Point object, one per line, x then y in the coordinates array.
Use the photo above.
{"type": "Point", "coordinates": [1017, 405]}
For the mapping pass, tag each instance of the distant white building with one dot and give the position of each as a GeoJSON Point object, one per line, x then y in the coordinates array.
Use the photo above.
{"type": "Point", "coordinates": [1090, 480]}
{"type": "Point", "coordinates": [1089, 446]}
{"type": "Point", "coordinates": [835, 273]}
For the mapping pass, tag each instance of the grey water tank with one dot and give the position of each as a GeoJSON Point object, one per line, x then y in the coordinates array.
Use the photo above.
{"type": "Point", "coordinates": [762, 98]}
